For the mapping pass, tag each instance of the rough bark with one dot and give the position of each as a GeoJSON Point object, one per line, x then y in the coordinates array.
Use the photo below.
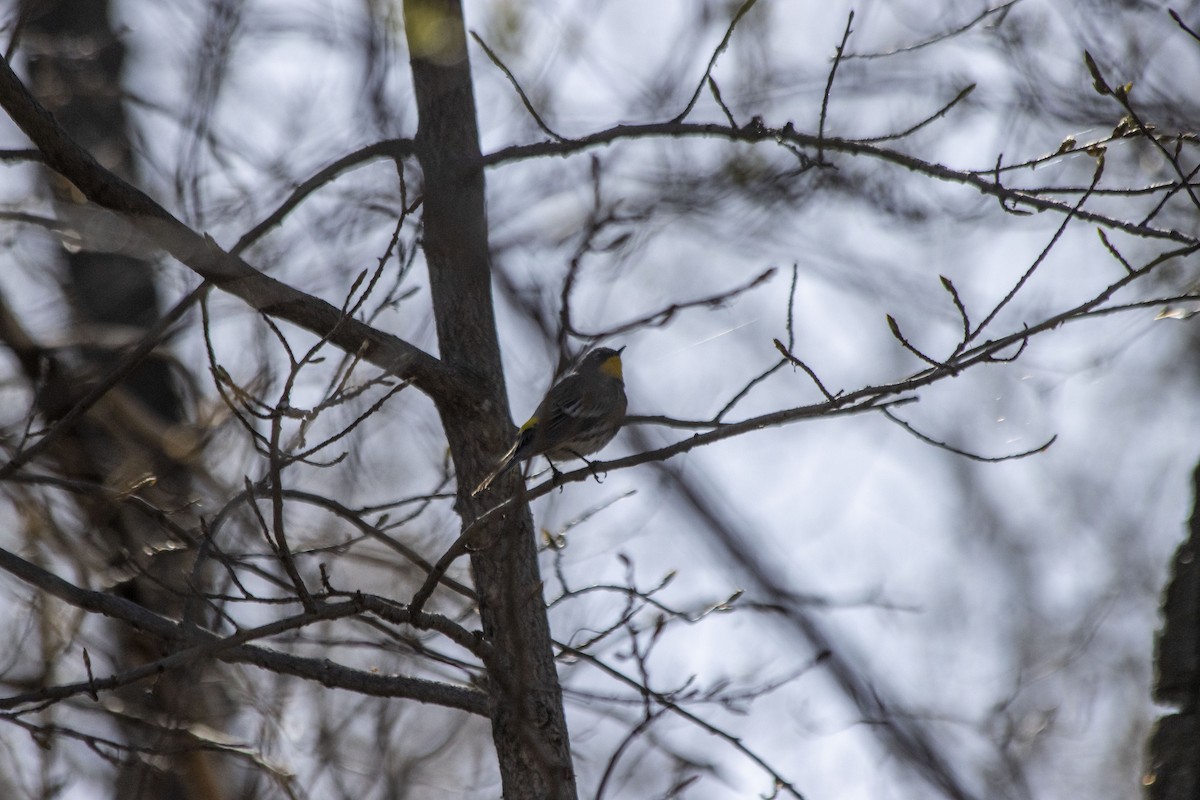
{"type": "Point", "coordinates": [528, 723]}
{"type": "Point", "coordinates": [1173, 771]}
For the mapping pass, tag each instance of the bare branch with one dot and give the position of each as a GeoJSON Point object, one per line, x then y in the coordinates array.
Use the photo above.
{"type": "Point", "coordinates": [322, 670]}
{"type": "Point", "coordinates": [935, 116]}
{"type": "Point", "coordinates": [712, 61]}
{"type": "Point", "coordinates": [894, 327]}
{"type": "Point", "coordinates": [395, 149]}
{"type": "Point", "coordinates": [780, 781]}
{"type": "Point", "coordinates": [662, 316]}
{"type": "Point", "coordinates": [761, 134]}
{"type": "Point", "coordinates": [940, 37]}
{"type": "Point", "coordinates": [960, 452]}
{"type": "Point", "coordinates": [737, 398]}
{"type": "Point", "coordinates": [787, 354]}
{"type": "Point", "coordinates": [1179, 21]}
{"type": "Point", "coordinates": [1075, 210]}
{"type": "Point", "coordinates": [118, 372]}
{"type": "Point", "coordinates": [962, 313]}
{"type": "Point", "coordinates": [716, 93]}
{"type": "Point", "coordinates": [226, 271]}
{"type": "Point", "coordinates": [512, 79]}
{"type": "Point", "coordinates": [837, 59]}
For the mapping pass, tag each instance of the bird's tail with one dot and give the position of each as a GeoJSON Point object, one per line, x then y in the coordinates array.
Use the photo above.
{"type": "Point", "coordinates": [514, 456]}
{"type": "Point", "coordinates": [504, 466]}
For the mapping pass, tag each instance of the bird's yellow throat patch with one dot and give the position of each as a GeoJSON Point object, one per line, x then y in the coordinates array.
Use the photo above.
{"type": "Point", "coordinates": [612, 367]}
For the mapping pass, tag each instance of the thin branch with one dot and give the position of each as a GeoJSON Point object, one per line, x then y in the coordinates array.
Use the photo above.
{"type": "Point", "coordinates": [395, 149]}
{"type": "Point", "coordinates": [512, 79]}
{"type": "Point", "coordinates": [791, 309]}
{"type": "Point", "coordinates": [940, 37]}
{"type": "Point", "coordinates": [118, 372]}
{"type": "Point", "coordinates": [322, 670]}
{"type": "Point", "coordinates": [666, 702]}
{"type": "Point", "coordinates": [966, 454]}
{"type": "Point", "coordinates": [1121, 93]}
{"type": "Point", "coordinates": [716, 93]}
{"type": "Point", "coordinates": [744, 391]}
{"type": "Point", "coordinates": [19, 154]}
{"type": "Point", "coordinates": [202, 254]}
{"type": "Point", "coordinates": [837, 59]}
{"type": "Point", "coordinates": [637, 730]}
{"type": "Point", "coordinates": [962, 314]}
{"type": "Point", "coordinates": [980, 181]}
{"type": "Point", "coordinates": [1179, 21]}
{"type": "Point", "coordinates": [372, 531]}
{"type": "Point", "coordinates": [1112, 249]}
{"type": "Point", "coordinates": [180, 658]}
{"type": "Point", "coordinates": [1172, 190]}
{"type": "Point", "coordinates": [463, 543]}
{"type": "Point", "coordinates": [787, 354]}
{"type": "Point", "coordinates": [1075, 211]}
{"type": "Point", "coordinates": [941, 112]}
{"type": "Point", "coordinates": [712, 61]}
{"type": "Point", "coordinates": [866, 399]}
{"type": "Point", "coordinates": [277, 531]}
{"type": "Point", "coordinates": [894, 327]}
{"type": "Point", "coordinates": [661, 317]}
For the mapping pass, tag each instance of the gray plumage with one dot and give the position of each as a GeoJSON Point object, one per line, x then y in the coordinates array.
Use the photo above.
{"type": "Point", "coordinates": [578, 416]}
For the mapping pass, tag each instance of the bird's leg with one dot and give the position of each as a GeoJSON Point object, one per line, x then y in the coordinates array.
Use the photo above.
{"type": "Point", "coordinates": [556, 476]}
{"type": "Point", "coordinates": [591, 467]}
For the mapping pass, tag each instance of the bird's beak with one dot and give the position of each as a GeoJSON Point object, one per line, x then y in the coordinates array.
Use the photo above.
{"type": "Point", "coordinates": [621, 349]}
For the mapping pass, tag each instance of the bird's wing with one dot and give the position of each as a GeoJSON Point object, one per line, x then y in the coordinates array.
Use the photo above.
{"type": "Point", "coordinates": [566, 406]}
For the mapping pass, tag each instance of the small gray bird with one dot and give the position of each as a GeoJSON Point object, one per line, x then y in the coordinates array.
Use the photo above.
{"type": "Point", "coordinates": [578, 416]}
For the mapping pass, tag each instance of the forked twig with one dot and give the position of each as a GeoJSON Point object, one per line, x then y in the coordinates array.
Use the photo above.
{"type": "Point", "coordinates": [712, 61]}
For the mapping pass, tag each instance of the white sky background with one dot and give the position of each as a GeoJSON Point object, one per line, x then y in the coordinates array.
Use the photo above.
{"type": "Point", "coordinates": [1012, 605]}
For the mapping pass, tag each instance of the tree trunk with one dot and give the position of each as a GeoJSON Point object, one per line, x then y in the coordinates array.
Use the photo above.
{"type": "Point", "coordinates": [528, 723]}
{"type": "Point", "coordinates": [75, 70]}
{"type": "Point", "coordinates": [1173, 772]}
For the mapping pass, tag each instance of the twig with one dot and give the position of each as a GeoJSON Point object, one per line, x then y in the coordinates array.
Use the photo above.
{"type": "Point", "coordinates": [712, 61]}
{"type": "Point", "coordinates": [1121, 93]}
{"type": "Point", "coordinates": [638, 730]}
{"type": "Point", "coordinates": [1179, 21]}
{"type": "Point", "coordinates": [327, 672]}
{"type": "Point", "coordinates": [941, 112]}
{"type": "Point", "coordinates": [537, 118]}
{"type": "Point", "coordinates": [665, 702]}
{"type": "Point", "coordinates": [941, 37]}
{"type": "Point", "coordinates": [966, 454]}
{"type": "Point", "coordinates": [395, 149]}
{"type": "Point", "coordinates": [1172, 189]}
{"type": "Point", "coordinates": [745, 390]}
{"type": "Point", "coordinates": [661, 317]}
{"type": "Point", "coordinates": [457, 549]}
{"type": "Point", "coordinates": [119, 371]}
{"type": "Point", "coordinates": [374, 532]}
{"type": "Point", "coordinates": [787, 354]}
{"type": "Point", "coordinates": [910, 347]}
{"type": "Point", "coordinates": [837, 59]}
{"type": "Point", "coordinates": [1112, 249]}
{"type": "Point", "coordinates": [962, 314]}
{"type": "Point", "coordinates": [980, 181]}
{"type": "Point", "coordinates": [791, 309]}
{"type": "Point", "coordinates": [866, 399]}
{"type": "Point", "coordinates": [1042, 255]}
{"type": "Point", "coordinates": [716, 93]}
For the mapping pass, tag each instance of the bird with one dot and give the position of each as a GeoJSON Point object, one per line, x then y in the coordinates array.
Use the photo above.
{"type": "Point", "coordinates": [578, 416]}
